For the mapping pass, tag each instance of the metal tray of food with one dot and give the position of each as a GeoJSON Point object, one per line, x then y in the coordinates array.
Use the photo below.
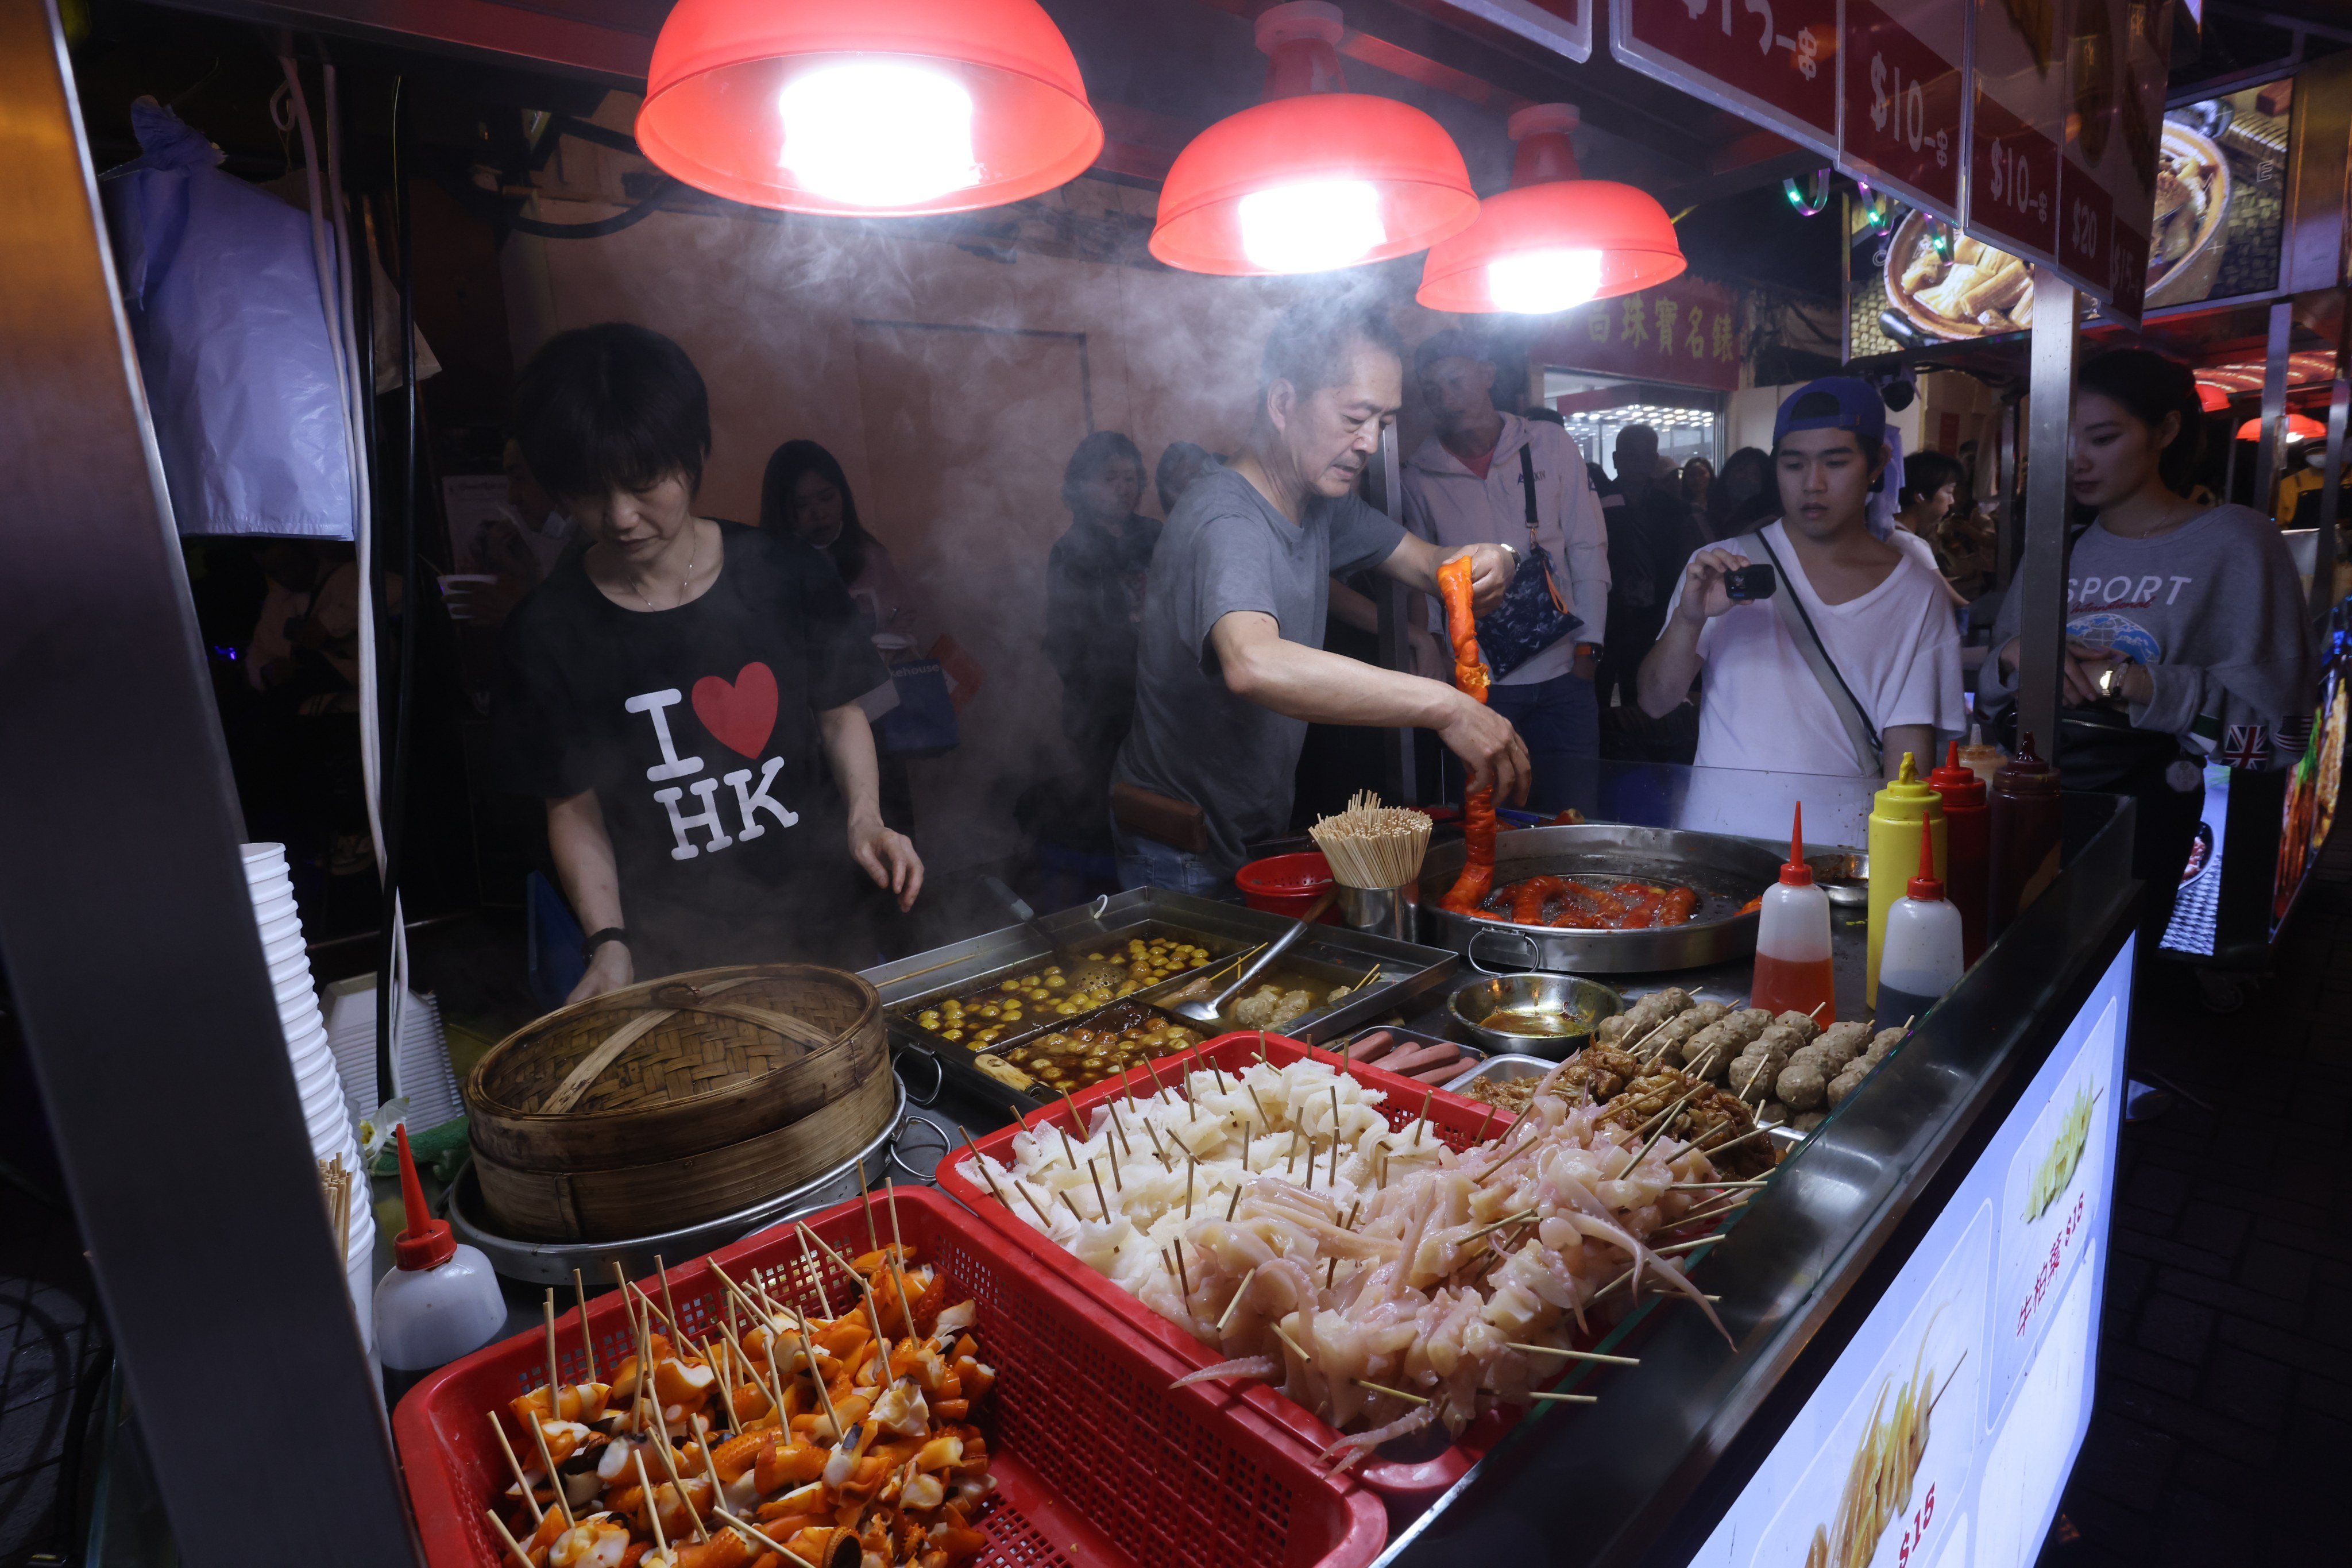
{"type": "Point", "coordinates": [1511, 1069]}
{"type": "Point", "coordinates": [1727, 873]}
{"type": "Point", "coordinates": [1030, 997]}
{"type": "Point", "coordinates": [1402, 1040]}
{"type": "Point", "coordinates": [1405, 971]}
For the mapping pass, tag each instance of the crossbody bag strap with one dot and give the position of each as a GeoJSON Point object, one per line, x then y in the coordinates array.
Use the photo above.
{"type": "Point", "coordinates": [1527, 490]}
{"type": "Point", "coordinates": [1867, 749]}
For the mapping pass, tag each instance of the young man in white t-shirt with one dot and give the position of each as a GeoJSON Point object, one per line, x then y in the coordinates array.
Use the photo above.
{"type": "Point", "coordinates": [1881, 617]}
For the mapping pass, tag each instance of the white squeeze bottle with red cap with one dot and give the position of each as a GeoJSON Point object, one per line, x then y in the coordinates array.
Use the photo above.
{"type": "Point", "coordinates": [1923, 954]}
{"type": "Point", "coordinates": [439, 1301]}
{"type": "Point", "coordinates": [1792, 941]}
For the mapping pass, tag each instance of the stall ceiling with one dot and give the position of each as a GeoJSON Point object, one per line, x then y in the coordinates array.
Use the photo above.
{"type": "Point", "coordinates": [1160, 71]}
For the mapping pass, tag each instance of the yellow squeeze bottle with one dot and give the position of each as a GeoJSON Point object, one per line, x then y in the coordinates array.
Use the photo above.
{"type": "Point", "coordinates": [1897, 815]}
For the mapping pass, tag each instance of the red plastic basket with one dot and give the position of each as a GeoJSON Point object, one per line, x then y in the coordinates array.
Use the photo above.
{"type": "Point", "coordinates": [1097, 1460]}
{"type": "Point", "coordinates": [1453, 1119]}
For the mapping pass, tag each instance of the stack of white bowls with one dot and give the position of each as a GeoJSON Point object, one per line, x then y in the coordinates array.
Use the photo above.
{"type": "Point", "coordinates": [323, 1109]}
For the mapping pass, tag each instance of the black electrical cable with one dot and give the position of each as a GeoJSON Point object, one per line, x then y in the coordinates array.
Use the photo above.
{"type": "Point", "coordinates": [395, 769]}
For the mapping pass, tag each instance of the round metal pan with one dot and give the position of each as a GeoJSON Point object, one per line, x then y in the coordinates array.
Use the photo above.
{"type": "Point", "coordinates": [1725, 873]}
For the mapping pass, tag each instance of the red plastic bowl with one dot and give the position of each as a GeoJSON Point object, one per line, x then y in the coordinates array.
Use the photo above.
{"type": "Point", "coordinates": [1287, 885]}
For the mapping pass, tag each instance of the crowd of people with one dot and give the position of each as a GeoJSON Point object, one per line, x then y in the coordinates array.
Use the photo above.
{"type": "Point", "coordinates": [695, 703]}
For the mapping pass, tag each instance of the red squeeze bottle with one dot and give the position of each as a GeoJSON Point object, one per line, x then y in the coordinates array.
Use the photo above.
{"type": "Point", "coordinates": [2026, 812]}
{"type": "Point", "coordinates": [1794, 970]}
{"type": "Point", "coordinates": [1967, 848]}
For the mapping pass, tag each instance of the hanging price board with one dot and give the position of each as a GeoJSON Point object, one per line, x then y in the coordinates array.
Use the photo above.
{"type": "Point", "coordinates": [1903, 73]}
{"type": "Point", "coordinates": [1773, 62]}
{"type": "Point", "coordinates": [1563, 27]}
{"type": "Point", "coordinates": [2017, 119]}
{"type": "Point", "coordinates": [2115, 51]}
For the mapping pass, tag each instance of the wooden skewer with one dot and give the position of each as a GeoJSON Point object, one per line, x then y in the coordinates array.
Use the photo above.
{"type": "Point", "coordinates": [1262, 1115]}
{"type": "Point", "coordinates": [817, 1275]}
{"type": "Point", "coordinates": [587, 1340]}
{"type": "Point", "coordinates": [1183, 1277]}
{"type": "Point", "coordinates": [1682, 1246]}
{"type": "Point", "coordinates": [1331, 1273]}
{"type": "Point", "coordinates": [554, 1380]}
{"type": "Point", "coordinates": [823, 1393]}
{"type": "Point", "coordinates": [774, 1395]}
{"type": "Point", "coordinates": [1097, 1177]}
{"type": "Point", "coordinates": [521, 1484]}
{"type": "Point", "coordinates": [749, 1311]}
{"type": "Point", "coordinates": [1565, 1398]}
{"type": "Point", "coordinates": [1710, 1187]}
{"type": "Point", "coordinates": [1483, 1124]}
{"type": "Point", "coordinates": [1499, 1223]}
{"type": "Point", "coordinates": [669, 1306]}
{"type": "Point", "coordinates": [865, 1199]}
{"type": "Point", "coordinates": [872, 1310]}
{"type": "Point", "coordinates": [981, 1165]}
{"type": "Point", "coordinates": [1383, 1388]}
{"type": "Point", "coordinates": [710, 1463]}
{"type": "Point", "coordinates": [1421, 1122]}
{"type": "Point", "coordinates": [1239, 1291]}
{"type": "Point", "coordinates": [1576, 1355]}
{"type": "Point", "coordinates": [1234, 1203]}
{"type": "Point", "coordinates": [1744, 1137]}
{"type": "Point", "coordinates": [554, 1481]}
{"type": "Point", "coordinates": [759, 1537]}
{"type": "Point", "coordinates": [653, 1504]}
{"type": "Point", "coordinates": [1191, 1166]}
{"type": "Point", "coordinates": [1283, 1335]}
{"type": "Point", "coordinates": [508, 1536]}
{"type": "Point", "coordinates": [1719, 1210]}
{"type": "Point", "coordinates": [1072, 1207]}
{"type": "Point", "coordinates": [898, 1245]}
{"type": "Point", "coordinates": [669, 1464]}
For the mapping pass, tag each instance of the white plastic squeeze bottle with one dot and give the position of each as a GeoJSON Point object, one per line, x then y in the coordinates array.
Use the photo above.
{"type": "Point", "coordinates": [1792, 941]}
{"type": "Point", "coordinates": [438, 1302]}
{"type": "Point", "coordinates": [1922, 958]}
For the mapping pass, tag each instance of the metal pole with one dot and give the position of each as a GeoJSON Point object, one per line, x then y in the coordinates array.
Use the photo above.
{"type": "Point", "coordinates": [2326, 549]}
{"type": "Point", "coordinates": [125, 925]}
{"type": "Point", "coordinates": [2270, 456]}
{"type": "Point", "coordinates": [2010, 437]}
{"type": "Point", "coordinates": [2042, 568]}
{"type": "Point", "coordinates": [1399, 778]}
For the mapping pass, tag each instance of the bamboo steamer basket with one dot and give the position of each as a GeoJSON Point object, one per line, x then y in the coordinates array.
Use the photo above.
{"type": "Point", "coordinates": [677, 1100]}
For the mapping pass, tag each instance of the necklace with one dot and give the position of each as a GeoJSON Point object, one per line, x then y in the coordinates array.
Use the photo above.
{"type": "Point", "coordinates": [682, 582]}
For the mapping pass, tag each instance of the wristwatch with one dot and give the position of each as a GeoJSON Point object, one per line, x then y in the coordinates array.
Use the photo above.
{"type": "Point", "coordinates": [2110, 684]}
{"type": "Point", "coordinates": [610, 933]}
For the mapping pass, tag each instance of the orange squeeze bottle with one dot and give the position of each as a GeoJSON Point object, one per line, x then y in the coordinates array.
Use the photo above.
{"type": "Point", "coordinates": [1792, 941]}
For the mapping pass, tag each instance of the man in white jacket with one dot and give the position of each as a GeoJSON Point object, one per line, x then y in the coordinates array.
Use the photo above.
{"type": "Point", "coordinates": [1469, 484]}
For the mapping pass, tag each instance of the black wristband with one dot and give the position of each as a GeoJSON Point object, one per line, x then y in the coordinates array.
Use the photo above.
{"type": "Point", "coordinates": [610, 933]}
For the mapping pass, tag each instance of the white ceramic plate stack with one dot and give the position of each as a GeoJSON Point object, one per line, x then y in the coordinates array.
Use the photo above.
{"type": "Point", "coordinates": [325, 1109]}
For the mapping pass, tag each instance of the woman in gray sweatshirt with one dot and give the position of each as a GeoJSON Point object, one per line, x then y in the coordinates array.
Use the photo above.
{"type": "Point", "coordinates": [2185, 620]}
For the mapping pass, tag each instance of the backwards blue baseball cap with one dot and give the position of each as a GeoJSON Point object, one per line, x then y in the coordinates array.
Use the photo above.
{"type": "Point", "coordinates": [1834, 402]}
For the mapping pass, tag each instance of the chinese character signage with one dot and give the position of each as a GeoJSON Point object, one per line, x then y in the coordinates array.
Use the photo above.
{"type": "Point", "coordinates": [1685, 332]}
{"type": "Point", "coordinates": [1903, 73]}
{"type": "Point", "coordinates": [1770, 61]}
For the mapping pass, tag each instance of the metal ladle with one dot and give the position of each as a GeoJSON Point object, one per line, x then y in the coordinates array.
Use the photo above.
{"type": "Point", "coordinates": [1210, 1011]}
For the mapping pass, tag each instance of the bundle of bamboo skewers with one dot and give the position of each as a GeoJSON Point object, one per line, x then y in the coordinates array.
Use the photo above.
{"type": "Point", "coordinates": [1373, 846]}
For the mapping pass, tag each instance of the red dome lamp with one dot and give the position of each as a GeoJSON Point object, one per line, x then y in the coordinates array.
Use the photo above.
{"type": "Point", "coordinates": [1555, 240]}
{"type": "Point", "coordinates": [1314, 177]}
{"type": "Point", "coordinates": [2211, 398]}
{"type": "Point", "coordinates": [886, 107]}
{"type": "Point", "coordinates": [2299, 428]}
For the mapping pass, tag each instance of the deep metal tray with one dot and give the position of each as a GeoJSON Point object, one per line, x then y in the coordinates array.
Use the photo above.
{"type": "Point", "coordinates": [1407, 971]}
{"type": "Point", "coordinates": [903, 1013]}
{"type": "Point", "coordinates": [1726, 873]}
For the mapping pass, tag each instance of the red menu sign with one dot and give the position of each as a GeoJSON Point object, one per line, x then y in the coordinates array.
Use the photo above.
{"type": "Point", "coordinates": [1685, 332]}
{"type": "Point", "coordinates": [1902, 72]}
{"type": "Point", "coordinates": [2019, 118]}
{"type": "Point", "coordinates": [1770, 61]}
{"type": "Point", "coordinates": [2115, 52]}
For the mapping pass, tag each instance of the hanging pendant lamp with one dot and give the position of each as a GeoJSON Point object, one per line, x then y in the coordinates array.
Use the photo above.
{"type": "Point", "coordinates": [879, 107]}
{"type": "Point", "coordinates": [1316, 177]}
{"type": "Point", "coordinates": [1555, 240]}
{"type": "Point", "coordinates": [2299, 428]}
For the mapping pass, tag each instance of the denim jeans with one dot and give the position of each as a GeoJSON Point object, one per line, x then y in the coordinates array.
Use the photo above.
{"type": "Point", "coordinates": [1147, 863]}
{"type": "Point", "coordinates": [1559, 719]}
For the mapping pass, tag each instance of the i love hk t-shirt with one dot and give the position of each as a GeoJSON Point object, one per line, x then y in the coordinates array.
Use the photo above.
{"type": "Point", "coordinates": [696, 727]}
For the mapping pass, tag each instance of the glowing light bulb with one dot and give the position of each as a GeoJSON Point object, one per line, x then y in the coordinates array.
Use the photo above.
{"type": "Point", "coordinates": [1311, 227]}
{"type": "Point", "coordinates": [877, 133]}
{"type": "Point", "coordinates": [1538, 282]}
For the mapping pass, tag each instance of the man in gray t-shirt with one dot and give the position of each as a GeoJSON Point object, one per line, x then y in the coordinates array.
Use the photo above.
{"type": "Point", "coordinates": [1231, 667]}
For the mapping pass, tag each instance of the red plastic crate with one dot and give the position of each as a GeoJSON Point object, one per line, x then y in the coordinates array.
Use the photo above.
{"type": "Point", "coordinates": [1453, 1119]}
{"type": "Point", "coordinates": [1097, 1460]}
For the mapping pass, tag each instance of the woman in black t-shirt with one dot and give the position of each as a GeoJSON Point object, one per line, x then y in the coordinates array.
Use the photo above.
{"type": "Point", "coordinates": [683, 694]}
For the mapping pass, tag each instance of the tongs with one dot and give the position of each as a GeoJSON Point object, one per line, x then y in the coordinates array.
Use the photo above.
{"type": "Point", "coordinates": [1210, 1011]}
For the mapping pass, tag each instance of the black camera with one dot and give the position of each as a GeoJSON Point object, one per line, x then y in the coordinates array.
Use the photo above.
{"type": "Point", "coordinates": [1749, 583]}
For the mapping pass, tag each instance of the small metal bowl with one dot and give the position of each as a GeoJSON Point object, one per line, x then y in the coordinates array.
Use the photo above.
{"type": "Point", "coordinates": [1842, 874]}
{"type": "Point", "coordinates": [1517, 1013]}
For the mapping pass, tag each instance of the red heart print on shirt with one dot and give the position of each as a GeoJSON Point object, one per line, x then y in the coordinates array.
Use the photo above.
{"type": "Point", "coordinates": [742, 716]}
